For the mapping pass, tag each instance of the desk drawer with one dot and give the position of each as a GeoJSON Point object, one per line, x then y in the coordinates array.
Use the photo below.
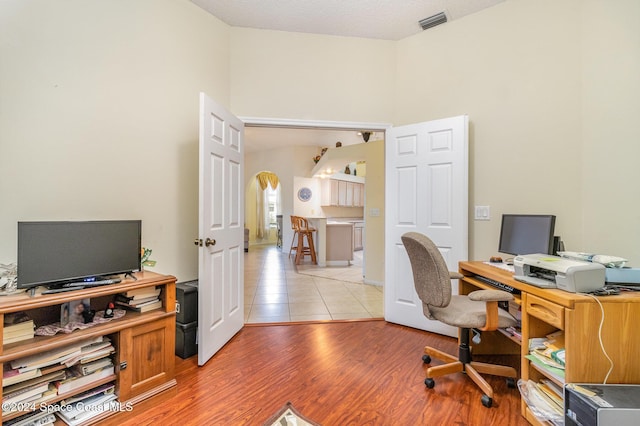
{"type": "Point", "coordinates": [546, 311]}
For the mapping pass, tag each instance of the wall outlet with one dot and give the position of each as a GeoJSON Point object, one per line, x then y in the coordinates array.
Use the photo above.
{"type": "Point", "coordinates": [482, 213]}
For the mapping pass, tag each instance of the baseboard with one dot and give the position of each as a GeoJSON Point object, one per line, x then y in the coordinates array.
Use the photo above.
{"type": "Point", "coordinates": [372, 282]}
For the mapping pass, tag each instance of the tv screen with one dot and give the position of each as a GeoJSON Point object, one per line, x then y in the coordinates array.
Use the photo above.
{"type": "Point", "coordinates": [527, 234]}
{"type": "Point", "coordinates": [57, 252]}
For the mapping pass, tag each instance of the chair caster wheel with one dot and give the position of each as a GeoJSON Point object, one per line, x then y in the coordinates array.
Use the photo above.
{"type": "Point", "coordinates": [429, 383]}
{"type": "Point", "coordinates": [426, 359]}
{"type": "Point", "coordinates": [511, 382]}
{"type": "Point", "coordinates": [486, 401]}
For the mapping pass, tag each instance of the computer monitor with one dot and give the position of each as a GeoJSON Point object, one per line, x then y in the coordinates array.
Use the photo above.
{"type": "Point", "coordinates": [527, 234]}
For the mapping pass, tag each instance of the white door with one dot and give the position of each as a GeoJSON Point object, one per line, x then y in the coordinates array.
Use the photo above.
{"type": "Point", "coordinates": [426, 182]}
{"type": "Point", "coordinates": [221, 228]}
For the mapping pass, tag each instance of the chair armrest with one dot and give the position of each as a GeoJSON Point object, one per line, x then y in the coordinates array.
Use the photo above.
{"type": "Point", "coordinates": [490, 296]}
{"type": "Point", "coordinates": [491, 299]}
{"type": "Point", "coordinates": [455, 275]}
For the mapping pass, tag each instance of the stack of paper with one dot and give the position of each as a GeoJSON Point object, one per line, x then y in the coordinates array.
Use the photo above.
{"type": "Point", "coordinates": [91, 352]}
{"type": "Point", "coordinates": [548, 354]}
{"type": "Point", "coordinates": [42, 377]}
{"type": "Point", "coordinates": [83, 410]}
{"type": "Point", "coordinates": [140, 300]}
{"type": "Point", "coordinates": [39, 418]}
{"type": "Point", "coordinates": [18, 326]}
{"type": "Point", "coordinates": [75, 379]}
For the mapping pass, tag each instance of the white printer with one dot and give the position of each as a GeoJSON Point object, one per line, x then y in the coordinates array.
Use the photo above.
{"type": "Point", "coordinates": [547, 271]}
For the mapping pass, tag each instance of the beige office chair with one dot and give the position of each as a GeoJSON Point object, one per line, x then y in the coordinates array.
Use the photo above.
{"type": "Point", "coordinates": [477, 310]}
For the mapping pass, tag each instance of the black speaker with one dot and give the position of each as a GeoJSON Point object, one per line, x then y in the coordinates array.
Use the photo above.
{"type": "Point", "coordinates": [558, 245]}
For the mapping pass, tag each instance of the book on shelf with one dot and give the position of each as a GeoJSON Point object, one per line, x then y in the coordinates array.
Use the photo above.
{"type": "Point", "coordinates": [557, 405]}
{"type": "Point", "coordinates": [551, 386]}
{"type": "Point", "coordinates": [12, 376]}
{"type": "Point", "coordinates": [16, 319]}
{"type": "Point", "coordinates": [145, 307]}
{"type": "Point", "coordinates": [94, 366]}
{"type": "Point", "coordinates": [107, 388]}
{"type": "Point", "coordinates": [25, 394]}
{"type": "Point", "coordinates": [45, 378]}
{"type": "Point", "coordinates": [555, 373]}
{"type": "Point", "coordinates": [140, 293]}
{"type": "Point", "coordinates": [514, 332]}
{"type": "Point", "coordinates": [49, 395]}
{"type": "Point", "coordinates": [76, 380]}
{"type": "Point", "coordinates": [546, 359]}
{"type": "Point", "coordinates": [35, 418]}
{"type": "Point", "coordinates": [122, 300]}
{"type": "Point", "coordinates": [51, 357]}
{"type": "Point", "coordinates": [92, 351]}
{"type": "Point", "coordinates": [18, 326]}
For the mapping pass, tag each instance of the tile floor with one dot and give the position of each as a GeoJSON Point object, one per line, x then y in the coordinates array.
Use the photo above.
{"type": "Point", "coordinates": [276, 290]}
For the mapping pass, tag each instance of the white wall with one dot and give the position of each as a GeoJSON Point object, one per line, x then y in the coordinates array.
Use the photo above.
{"type": "Point", "coordinates": [551, 89]}
{"type": "Point", "coordinates": [99, 116]}
{"type": "Point", "coordinates": [610, 59]}
{"type": "Point", "coordinates": [99, 110]}
{"type": "Point", "coordinates": [306, 76]}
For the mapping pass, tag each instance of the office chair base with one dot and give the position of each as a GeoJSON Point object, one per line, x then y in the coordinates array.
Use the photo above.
{"type": "Point", "coordinates": [472, 369]}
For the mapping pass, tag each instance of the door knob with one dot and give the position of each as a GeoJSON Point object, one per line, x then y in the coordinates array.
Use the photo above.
{"type": "Point", "coordinates": [198, 242]}
{"type": "Point", "coordinates": [209, 242]}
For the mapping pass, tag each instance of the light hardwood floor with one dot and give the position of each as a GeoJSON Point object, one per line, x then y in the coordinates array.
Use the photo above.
{"type": "Point", "coordinates": [335, 373]}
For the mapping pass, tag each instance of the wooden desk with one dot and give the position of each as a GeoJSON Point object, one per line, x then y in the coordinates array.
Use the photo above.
{"type": "Point", "coordinates": [545, 311]}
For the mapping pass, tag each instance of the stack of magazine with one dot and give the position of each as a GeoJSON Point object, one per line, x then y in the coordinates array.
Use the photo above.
{"type": "Point", "coordinates": [84, 406]}
{"type": "Point", "coordinates": [38, 418]}
{"type": "Point", "coordinates": [140, 300]}
{"type": "Point", "coordinates": [47, 376]}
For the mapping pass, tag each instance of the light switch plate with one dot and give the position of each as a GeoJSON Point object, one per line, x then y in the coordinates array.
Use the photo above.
{"type": "Point", "coordinates": [482, 213]}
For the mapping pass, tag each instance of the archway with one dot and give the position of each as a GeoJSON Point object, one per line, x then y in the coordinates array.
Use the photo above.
{"type": "Point", "coordinates": [263, 204]}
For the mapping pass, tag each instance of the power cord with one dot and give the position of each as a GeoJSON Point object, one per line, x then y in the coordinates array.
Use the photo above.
{"type": "Point", "coordinates": [606, 377]}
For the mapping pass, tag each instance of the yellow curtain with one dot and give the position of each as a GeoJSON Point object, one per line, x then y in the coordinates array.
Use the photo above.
{"type": "Point", "coordinates": [267, 178]}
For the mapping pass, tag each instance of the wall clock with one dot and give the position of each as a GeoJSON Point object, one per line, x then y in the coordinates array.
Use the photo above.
{"type": "Point", "coordinates": [304, 194]}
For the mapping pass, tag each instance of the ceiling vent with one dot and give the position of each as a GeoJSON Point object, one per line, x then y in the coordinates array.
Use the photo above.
{"type": "Point", "coordinates": [432, 21]}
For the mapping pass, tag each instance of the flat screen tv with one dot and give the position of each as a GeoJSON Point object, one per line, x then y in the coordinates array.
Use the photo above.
{"type": "Point", "coordinates": [526, 234]}
{"type": "Point", "coordinates": [51, 253]}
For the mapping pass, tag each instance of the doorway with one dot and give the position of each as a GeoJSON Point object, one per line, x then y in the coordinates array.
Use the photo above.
{"type": "Point", "coordinates": [288, 151]}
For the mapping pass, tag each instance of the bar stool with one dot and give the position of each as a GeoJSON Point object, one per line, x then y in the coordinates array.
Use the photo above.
{"type": "Point", "coordinates": [294, 227]}
{"type": "Point", "coordinates": [305, 231]}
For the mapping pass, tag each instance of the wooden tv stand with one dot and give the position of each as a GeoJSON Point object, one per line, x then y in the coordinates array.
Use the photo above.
{"type": "Point", "coordinates": [545, 311]}
{"type": "Point", "coordinates": [144, 342]}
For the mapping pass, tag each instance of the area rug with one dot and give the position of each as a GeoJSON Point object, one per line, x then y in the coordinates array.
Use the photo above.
{"type": "Point", "coordinates": [289, 416]}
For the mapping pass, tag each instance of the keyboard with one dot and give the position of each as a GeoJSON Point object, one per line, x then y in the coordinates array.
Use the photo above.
{"type": "Point", "coordinates": [504, 266]}
{"type": "Point", "coordinates": [538, 282]}
{"type": "Point", "coordinates": [497, 284]}
{"type": "Point", "coordinates": [76, 284]}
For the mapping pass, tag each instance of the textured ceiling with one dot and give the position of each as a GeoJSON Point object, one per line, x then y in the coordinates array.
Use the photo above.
{"type": "Point", "coordinates": [379, 19]}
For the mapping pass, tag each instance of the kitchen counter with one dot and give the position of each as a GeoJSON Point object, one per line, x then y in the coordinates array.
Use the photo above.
{"type": "Point", "coordinates": [334, 240]}
{"type": "Point", "coordinates": [339, 248]}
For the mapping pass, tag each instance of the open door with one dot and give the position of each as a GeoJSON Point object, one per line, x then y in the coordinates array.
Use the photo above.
{"type": "Point", "coordinates": [221, 228]}
{"type": "Point", "coordinates": [426, 185]}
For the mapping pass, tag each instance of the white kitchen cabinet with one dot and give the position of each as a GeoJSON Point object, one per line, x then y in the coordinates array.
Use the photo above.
{"type": "Point", "coordinates": [341, 193]}
{"type": "Point", "coordinates": [358, 233]}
